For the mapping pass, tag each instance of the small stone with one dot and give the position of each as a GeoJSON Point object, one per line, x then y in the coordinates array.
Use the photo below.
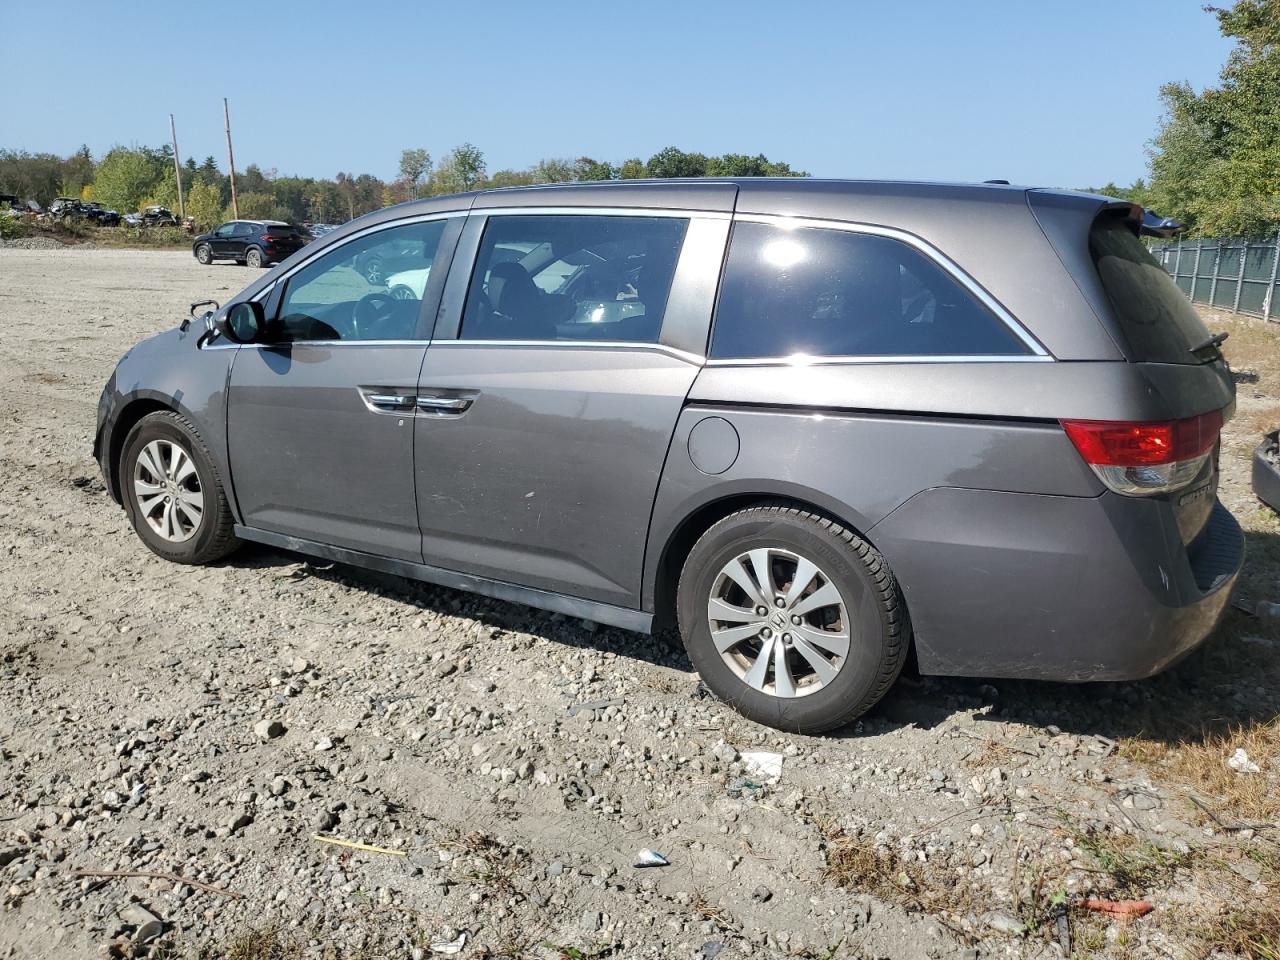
{"type": "Point", "coordinates": [269, 729]}
{"type": "Point", "coordinates": [278, 787]}
{"type": "Point", "coordinates": [592, 921]}
{"type": "Point", "coordinates": [445, 668]}
{"type": "Point", "coordinates": [1003, 923]}
{"type": "Point", "coordinates": [762, 894]}
{"type": "Point", "coordinates": [324, 744]}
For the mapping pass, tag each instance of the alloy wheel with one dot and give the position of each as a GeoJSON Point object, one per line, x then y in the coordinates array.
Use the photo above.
{"type": "Point", "coordinates": [167, 489]}
{"type": "Point", "coordinates": [778, 622]}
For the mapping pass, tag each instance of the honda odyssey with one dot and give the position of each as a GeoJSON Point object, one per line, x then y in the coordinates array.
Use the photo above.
{"type": "Point", "coordinates": [815, 425]}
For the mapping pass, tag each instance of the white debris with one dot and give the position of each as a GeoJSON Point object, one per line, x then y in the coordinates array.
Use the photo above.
{"type": "Point", "coordinates": [450, 947]}
{"type": "Point", "coordinates": [650, 858]}
{"type": "Point", "coordinates": [763, 764]}
{"type": "Point", "coordinates": [1240, 762]}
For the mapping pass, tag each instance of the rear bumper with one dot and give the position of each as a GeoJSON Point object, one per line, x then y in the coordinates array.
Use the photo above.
{"type": "Point", "coordinates": [1056, 588]}
{"type": "Point", "coordinates": [1266, 474]}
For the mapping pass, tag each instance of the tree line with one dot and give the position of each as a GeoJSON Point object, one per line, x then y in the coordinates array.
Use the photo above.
{"type": "Point", "coordinates": [130, 178]}
{"type": "Point", "coordinates": [1215, 160]}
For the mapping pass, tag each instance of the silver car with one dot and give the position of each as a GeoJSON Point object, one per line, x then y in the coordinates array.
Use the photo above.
{"type": "Point", "coordinates": [815, 425]}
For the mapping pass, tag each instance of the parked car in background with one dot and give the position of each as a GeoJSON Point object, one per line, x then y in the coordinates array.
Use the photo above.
{"type": "Point", "coordinates": [318, 230]}
{"type": "Point", "coordinates": [816, 425]}
{"type": "Point", "coordinates": [156, 216]}
{"type": "Point", "coordinates": [66, 208]}
{"type": "Point", "coordinates": [252, 242]}
{"type": "Point", "coordinates": [100, 214]}
{"type": "Point", "coordinates": [12, 206]}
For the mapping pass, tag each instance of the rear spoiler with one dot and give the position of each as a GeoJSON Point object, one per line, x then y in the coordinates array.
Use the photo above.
{"type": "Point", "coordinates": [1145, 222]}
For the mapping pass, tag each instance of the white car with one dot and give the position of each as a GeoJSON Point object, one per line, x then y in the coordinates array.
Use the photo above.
{"type": "Point", "coordinates": [408, 284]}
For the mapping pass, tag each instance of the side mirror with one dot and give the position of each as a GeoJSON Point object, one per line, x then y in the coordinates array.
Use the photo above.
{"type": "Point", "coordinates": [243, 323]}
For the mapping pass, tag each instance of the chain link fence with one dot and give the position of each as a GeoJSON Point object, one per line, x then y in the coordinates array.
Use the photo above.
{"type": "Point", "coordinates": [1239, 275]}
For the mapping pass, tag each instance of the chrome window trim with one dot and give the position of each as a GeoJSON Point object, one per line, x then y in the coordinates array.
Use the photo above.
{"type": "Point", "coordinates": [665, 212]}
{"type": "Point", "coordinates": [953, 269]}
{"type": "Point", "coordinates": [624, 346]}
{"type": "Point", "coordinates": [813, 361]}
{"type": "Point", "coordinates": [317, 343]}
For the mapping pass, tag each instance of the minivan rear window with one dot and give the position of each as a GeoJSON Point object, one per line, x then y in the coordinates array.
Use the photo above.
{"type": "Point", "coordinates": [791, 292]}
{"type": "Point", "coordinates": [1155, 317]}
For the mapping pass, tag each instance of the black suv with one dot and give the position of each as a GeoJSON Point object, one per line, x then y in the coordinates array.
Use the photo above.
{"type": "Point", "coordinates": [100, 214]}
{"type": "Point", "coordinates": [253, 242]}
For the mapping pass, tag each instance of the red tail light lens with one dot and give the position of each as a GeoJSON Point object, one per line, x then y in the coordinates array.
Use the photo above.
{"type": "Point", "coordinates": [1120, 444]}
{"type": "Point", "coordinates": [1146, 458]}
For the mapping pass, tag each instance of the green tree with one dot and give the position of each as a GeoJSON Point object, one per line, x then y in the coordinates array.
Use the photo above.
{"type": "Point", "coordinates": [1215, 162]}
{"type": "Point", "coordinates": [632, 169]}
{"type": "Point", "coordinates": [510, 178]}
{"type": "Point", "coordinates": [674, 162]}
{"type": "Point", "coordinates": [204, 204]}
{"type": "Point", "coordinates": [126, 177]}
{"type": "Point", "coordinates": [461, 169]}
{"type": "Point", "coordinates": [553, 170]}
{"type": "Point", "coordinates": [585, 168]}
{"type": "Point", "coordinates": [414, 165]}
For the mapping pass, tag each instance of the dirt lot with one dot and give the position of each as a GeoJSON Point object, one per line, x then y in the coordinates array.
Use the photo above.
{"type": "Point", "coordinates": [961, 819]}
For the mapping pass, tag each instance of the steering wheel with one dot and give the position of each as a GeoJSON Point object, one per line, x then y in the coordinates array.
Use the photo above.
{"type": "Point", "coordinates": [368, 311]}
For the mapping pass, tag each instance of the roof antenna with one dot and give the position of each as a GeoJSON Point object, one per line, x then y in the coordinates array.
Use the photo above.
{"type": "Point", "coordinates": [1005, 182]}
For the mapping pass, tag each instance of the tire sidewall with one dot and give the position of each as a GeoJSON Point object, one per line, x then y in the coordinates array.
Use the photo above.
{"type": "Point", "coordinates": [204, 254]}
{"type": "Point", "coordinates": [869, 622]}
{"type": "Point", "coordinates": [159, 426]}
{"type": "Point", "coordinates": [254, 257]}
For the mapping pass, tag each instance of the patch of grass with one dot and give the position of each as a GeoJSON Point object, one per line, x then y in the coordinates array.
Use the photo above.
{"type": "Point", "coordinates": [854, 864]}
{"type": "Point", "coordinates": [265, 944]}
{"type": "Point", "coordinates": [1237, 798]}
{"type": "Point", "coordinates": [575, 953]}
{"type": "Point", "coordinates": [1131, 868]}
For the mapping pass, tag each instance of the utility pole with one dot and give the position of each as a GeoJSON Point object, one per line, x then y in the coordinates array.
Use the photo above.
{"type": "Point", "coordinates": [231, 160]}
{"type": "Point", "coordinates": [177, 168]}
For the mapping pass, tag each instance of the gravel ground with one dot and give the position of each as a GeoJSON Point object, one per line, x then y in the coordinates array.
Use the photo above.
{"type": "Point", "coordinates": [205, 724]}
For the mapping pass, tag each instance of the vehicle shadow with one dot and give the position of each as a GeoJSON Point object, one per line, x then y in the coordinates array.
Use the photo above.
{"type": "Point", "coordinates": [1232, 681]}
{"type": "Point", "coordinates": [664, 649]}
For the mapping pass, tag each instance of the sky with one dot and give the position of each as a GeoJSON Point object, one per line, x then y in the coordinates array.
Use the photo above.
{"type": "Point", "coordinates": [1057, 94]}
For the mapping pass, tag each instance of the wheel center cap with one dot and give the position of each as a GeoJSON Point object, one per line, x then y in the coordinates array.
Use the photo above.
{"type": "Point", "coordinates": [778, 620]}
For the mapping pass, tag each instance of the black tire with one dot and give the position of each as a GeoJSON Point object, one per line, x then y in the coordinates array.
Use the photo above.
{"type": "Point", "coordinates": [204, 254]}
{"type": "Point", "coordinates": [213, 538]}
{"type": "Point", "coordinates": [253, 257]}
{"type": "Point", "coordinates": [878, 625]}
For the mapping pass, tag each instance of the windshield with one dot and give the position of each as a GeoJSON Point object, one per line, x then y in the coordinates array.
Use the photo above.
{"type": "Point", "coordinates": [1159, 322]}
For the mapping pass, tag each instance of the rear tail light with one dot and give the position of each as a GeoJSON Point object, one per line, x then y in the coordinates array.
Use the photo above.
{"type": "Point", "coordinates": [1142, 459]}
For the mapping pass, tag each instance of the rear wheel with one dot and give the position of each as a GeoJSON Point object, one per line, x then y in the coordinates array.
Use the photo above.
{"type": "Point", "coordinates": [172, 493]}
{"type": "Point", "coordinates": [204, 254]}
{"type": "Point", "coordinates": [253, 257]}
{"type": "Point", "coordinates": [791, 619]}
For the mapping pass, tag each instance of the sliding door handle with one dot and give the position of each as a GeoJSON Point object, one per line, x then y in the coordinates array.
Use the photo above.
{"type": "Point", "coordinates": [379, 402]}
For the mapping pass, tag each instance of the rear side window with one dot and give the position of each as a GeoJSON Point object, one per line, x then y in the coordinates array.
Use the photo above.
{"type": "Point", "coordinates": [1156, 318]}
{"type": "Point", "coordinates": [832, 293]}
{"type": "Point", "coordinates": [572, 277]}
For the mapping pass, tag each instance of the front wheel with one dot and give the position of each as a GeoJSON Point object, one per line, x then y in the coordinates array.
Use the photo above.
{"type": "Point", "coordinates": [791, 619]}
{"type": "Point", "coordinates": [204, 254]}
{"type": "Point", "coordinates": [253, 257]}
{"type": "Point", "coordinates": [172, 492]}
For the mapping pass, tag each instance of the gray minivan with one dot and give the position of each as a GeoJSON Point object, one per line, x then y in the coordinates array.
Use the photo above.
{"type": "Point", "coordinates": [814, 424]}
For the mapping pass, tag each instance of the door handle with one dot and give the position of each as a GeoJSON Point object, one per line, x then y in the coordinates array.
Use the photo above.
{"type": "Point", "coordinates": [387, 402]}
{"type": "Point", "coordinates": [443, 406]}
